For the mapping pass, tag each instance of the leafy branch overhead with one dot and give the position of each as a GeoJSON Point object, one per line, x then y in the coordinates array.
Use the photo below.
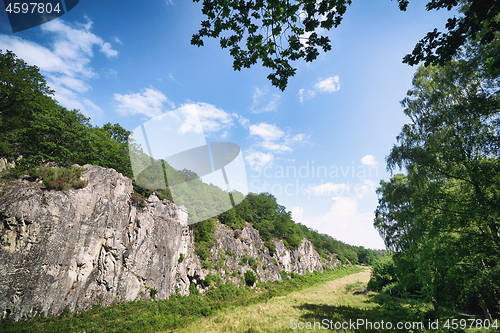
{"type": "Point", "coordinates": [273, 31]}
{"type": "Point", "coordinates": [277, 32]}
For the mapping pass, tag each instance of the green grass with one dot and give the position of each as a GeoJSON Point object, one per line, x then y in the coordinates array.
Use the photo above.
{"type": "Point", "coordinates": [174, 313]}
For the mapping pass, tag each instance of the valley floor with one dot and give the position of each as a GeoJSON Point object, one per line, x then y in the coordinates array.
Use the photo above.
{"type": "Point", "coordinates": [283, 314]}
{"type": "Point", "coordinates": [340, 305]}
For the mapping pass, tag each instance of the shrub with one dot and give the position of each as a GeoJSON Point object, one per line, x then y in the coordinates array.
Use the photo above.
{"type": "Point", "coordinates": [243, 261]}
{"type": "Point", "coordinates": [193, 290]}
{"type": "Point", "coordinates": [384, 273]}
{"type": "Point", "coordinates": [153, 292]}
{"type": "Point", "coordinates": [250, 278]}
{"type": "Point", "coordinates": [60, 179]}
{"type": "Point", "coordinates": [181, 257]}
{"type": "Point", "coordinates": [208, 280]}
{"type": "Point", "coordinates": [272, 248]}
{"type": "Point", "coordinates": [294, 241]}
{"type": "Point", "coordinates": [138, 199]}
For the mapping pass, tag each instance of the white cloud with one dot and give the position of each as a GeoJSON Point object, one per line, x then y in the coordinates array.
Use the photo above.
{"type": "Point", "coordinates": [369, 160]}
{"type": "Point", "coordinates": [267, 132]}
{"type": "Point", "coordinates": [211, 118]}
{"type": "Point", "coordinates": [328, 85]}
{"type": "Point", "coordinates": [272, 138]}
{"type": "Point", "coordinates": [263, 101]}
{"type": "Point", "coordinates": [297, 213]}
{"type": "Point", "coordinates": [258, 160]}
{"type": "Point", "coordinates": [305, 94]}
{"type": "Point", "coordinates": [344, 221]}
{"type": "Point", "coordinates": [327, 189]}
{"type": "Point", "coordinates": [148, 102]}
{"type": "Point", "coordinates": [66, 63]}
{"type": "Point", "coordinates": [244, 122]}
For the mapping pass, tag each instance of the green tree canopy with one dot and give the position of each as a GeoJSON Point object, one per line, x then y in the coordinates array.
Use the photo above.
{"type": "Point", "coordinates": [442, 218]}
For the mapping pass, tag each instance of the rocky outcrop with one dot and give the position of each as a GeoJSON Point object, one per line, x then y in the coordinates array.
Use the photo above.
{"type": "Point", "coordinates": [71, 249]}
{"type": "Point", "coordinates": [5, 164]}
{"type": "Point", "coordinates": [237, 251]}
{"type": "Point", "coordinates": [75, 248]}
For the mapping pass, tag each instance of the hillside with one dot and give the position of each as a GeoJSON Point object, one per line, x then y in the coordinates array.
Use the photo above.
{"type": "Point", "coordinates": [74, 236]}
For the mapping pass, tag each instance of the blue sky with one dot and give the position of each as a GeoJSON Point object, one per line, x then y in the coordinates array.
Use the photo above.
{"type": "Point", "coordinates": [319, 147]}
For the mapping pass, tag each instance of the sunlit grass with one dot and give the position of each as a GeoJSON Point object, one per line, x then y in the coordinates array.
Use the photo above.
{"type": "Point", "coordinates": [175, 313]}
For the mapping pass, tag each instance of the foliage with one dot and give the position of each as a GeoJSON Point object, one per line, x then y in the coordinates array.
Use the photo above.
{"type": "Point", "coordinates": [274, 31]}
{"type": "Point", "coordinates": [193, 290]}
{"type": "Point", "coordinates": [232, 219]}
{"type": "Point", "coordinates": [442, 218]}
{"type": "Point", "coordinates": [272, 248]}
{"type": "Point", "coordinates": [480, 21]}
{"type": "Point", "coordinates": [153, 292]}
{"type": "Point", "coordinates": [250, 278]}
{"type": "Point", "coordinates": [60, 179]}
{"type": "Point", "coordinates": [383, 273]}
{"type": "Point", "coordinates": [33, 125]}
{"type": "Point", "coordinates": [204, 238]}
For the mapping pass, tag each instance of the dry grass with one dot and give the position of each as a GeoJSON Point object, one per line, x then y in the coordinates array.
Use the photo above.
{"type": "Point", "coordinates": [276, 314]}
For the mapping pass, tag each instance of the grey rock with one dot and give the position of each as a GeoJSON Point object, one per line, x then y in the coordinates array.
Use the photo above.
{"type": "Point", "coordinates": [5, 164]}
{"type": "Point", "coordinates": [71, 249]}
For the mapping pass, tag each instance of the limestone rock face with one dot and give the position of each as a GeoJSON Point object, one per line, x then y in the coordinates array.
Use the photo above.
{"type": "Point", "coordinates": [75, 248]}
{"type": "Point", "coordinates": [5, 164]}
{"type": "Point", "coordinates": [234, 250]}
{"type": "Point", "coordinates": [301, 260]}
{"type": "Point", "coordinates": [69, 250]}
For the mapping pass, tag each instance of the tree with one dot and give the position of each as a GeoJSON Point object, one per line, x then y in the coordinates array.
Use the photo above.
{"type": "Point", "coordinates": [23, 92]}
{"type": "Point", "coordinates": [277, 32]}
{"type": "Point", "coordinates": [480, 21]}
{"type": "Point", "coordinates": [442, 218]}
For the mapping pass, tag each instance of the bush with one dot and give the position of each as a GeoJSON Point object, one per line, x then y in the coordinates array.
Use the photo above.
{"type": "Point", "coordinates": [243, 261]}
{"type": "Point", "coordinates": [294, 241]}
{"type": "Point", "coordinates": [60, 179]}
{"type": "Point", "coordinates": [272, 248]}
{"type": "Point", "coordinates": [153, 292]}
{"type": "Point", "coordinates": [384, 273]}
{"type": "Point", "coordinates": [193, 290]}
{"type": "Point", "coordinates": [138, 199]}
{"type": "Point", "coordinates": [250, 278]}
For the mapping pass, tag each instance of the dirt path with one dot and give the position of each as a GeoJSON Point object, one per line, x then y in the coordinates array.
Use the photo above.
{"type": "Point", "coordinates": [278, 314]}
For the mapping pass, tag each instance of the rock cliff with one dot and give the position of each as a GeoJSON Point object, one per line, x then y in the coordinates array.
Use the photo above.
{"type": "Point", "coordinates": [71, 249]}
